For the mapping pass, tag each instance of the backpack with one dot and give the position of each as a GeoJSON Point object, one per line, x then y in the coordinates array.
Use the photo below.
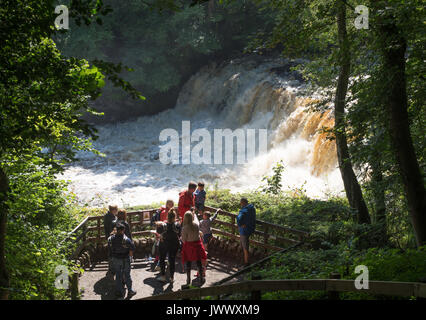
{"type": "Point", "coordinates": [251, 221]}
{"type": "Point", "coordinates": [116, 247]}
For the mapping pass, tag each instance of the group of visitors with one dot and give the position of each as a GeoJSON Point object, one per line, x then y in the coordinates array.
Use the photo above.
{"type": "Point", "coordinates": [177, 231]}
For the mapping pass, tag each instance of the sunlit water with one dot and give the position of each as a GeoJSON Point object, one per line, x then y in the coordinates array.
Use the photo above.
{"type": "Point", "coordinates": [241, 94]}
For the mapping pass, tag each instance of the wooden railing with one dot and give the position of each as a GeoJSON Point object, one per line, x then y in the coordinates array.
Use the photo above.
{"type": "Point", "coordinates": [388, 288]}
{"type": "Point", "coordinates": [91, 229]}
{"type": "Point", "coordinates": [269, 236]}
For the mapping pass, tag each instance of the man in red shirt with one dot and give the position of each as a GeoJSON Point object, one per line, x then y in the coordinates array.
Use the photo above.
{"type": "Point", "coordinates": [186, 200]}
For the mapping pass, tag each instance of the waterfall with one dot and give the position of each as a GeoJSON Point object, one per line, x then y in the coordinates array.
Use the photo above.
{"type": "Point", "coordinates": [241, 94]}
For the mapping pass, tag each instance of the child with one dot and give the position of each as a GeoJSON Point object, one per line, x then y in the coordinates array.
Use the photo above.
{"type": "Point", "coordinates": [200, 198]}
{"type": "Point", "coordinates": [206, 224]}
{"type": "Point", "coordinates": [159, 229]}
{"type": "Point", "coordinates": [164, 211]}
{"type": "Point", "coordinates": [205, 229]}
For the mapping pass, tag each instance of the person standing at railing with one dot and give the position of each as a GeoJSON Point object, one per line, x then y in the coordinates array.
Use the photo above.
{"type": "Point", "coordinates": [169, 245]}
{"type": "Point", "coordinates": [186, 200]}
{"type": "Point", "coordinates": [206, 226]}
{"type": "Point", "coordinates": [109, 219]}
{"type": "Point", "coordinates": [192, 249]}
{"type": "Point", "coordinates": [200, 198]}
{"type": "Point", "coordinates": [164, 210]}
{"type": "Point", "coordinates": [122, 218]}
{"type": "Point", "coordinates": [160, 216]}
{"type": "Point", "coordinates": [246, 221]}
{"type": "Point", "coordinates": [206, 230]}
{"type": "Point", "coordinates": [121, 248]}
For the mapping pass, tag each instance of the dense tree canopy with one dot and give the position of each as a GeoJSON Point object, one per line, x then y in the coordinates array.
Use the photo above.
{"type": "Point", "coordinates": [43, 95]}
{"type": "Point", "coordinates": [375, 118]}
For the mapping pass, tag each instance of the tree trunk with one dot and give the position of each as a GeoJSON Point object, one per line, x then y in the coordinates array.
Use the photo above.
{"type": "Point", "coordinates": [379, 198]}
{"type": "Point", "coordinates": [211, 8]}
{"type": "Point", "coordinates": [352, 187]}
{"type": "Point", "coordinates": [4, 275]}
{"type": "Point", "coordinates": [393, 47]}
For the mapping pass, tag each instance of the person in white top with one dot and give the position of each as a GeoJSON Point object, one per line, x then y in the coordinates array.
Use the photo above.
{"type": "Point", "coordinates": [192, 249]}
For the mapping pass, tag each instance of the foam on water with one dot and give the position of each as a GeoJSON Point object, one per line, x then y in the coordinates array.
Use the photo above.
{"type": "Point", "coordinates": [242, 94]}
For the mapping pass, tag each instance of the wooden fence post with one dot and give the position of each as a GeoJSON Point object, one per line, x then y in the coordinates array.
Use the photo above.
{"type": "Point", "coordinates": [334, 295]}
{"type": "Point", "coordinates": [129, 221]}
{"type": "Point", "coordinates": [141, 218]}
{"type": "Point", "coordinates": [74, 286]}
{"type": "Point", "coordinates": [234, 228]}
{"type": "Point", "coordinates": [422, 280]}
{"type": "Point", "coordinates": [266, 235]}
{"type": "Point", "coordinates": [84, 232]}
{"type": "Point", "coordinates": [256, 294]}
{"type": "Point", "coordinates": [99, 229]}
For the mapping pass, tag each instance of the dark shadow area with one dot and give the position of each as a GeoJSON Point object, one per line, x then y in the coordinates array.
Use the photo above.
{"type": "Point", "coordinates": [157, 285]}
{"type": "Point", "coordinates": [197, 283]}
{"type": "Point", "coordinates": [105, 287]}
{"type": "Point", "coordinates": [146, 282]}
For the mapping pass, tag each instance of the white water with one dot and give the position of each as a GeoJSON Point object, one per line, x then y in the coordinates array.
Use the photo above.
{"type": "Point", "coordinates": [241, 94]}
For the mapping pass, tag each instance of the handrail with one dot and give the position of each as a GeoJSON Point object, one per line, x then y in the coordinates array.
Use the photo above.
{"type": "Point", "coordinates": [260, 233]}
{"type": "Point", "coordinates": [261, 222]}
{"type": "Point", "coordinates": [80, 225]}
{"type": "Point", "coordinates": [268, 241]}
{"type": "Point", "coordinates": [254, 242]}
{"type": "Point", "coordinates": [389, 288]}
{"type": "Point", "coordinates": [265, 234]}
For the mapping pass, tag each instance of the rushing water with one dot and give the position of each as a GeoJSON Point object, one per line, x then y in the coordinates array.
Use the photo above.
{"type": "Point", "coordinates": [241, 94]}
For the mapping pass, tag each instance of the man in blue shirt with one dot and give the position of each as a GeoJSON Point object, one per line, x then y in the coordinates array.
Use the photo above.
{"type": "Point", "coordinates": [246, 221]}
{"type": "Point", "coordinates": [121, 249]}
